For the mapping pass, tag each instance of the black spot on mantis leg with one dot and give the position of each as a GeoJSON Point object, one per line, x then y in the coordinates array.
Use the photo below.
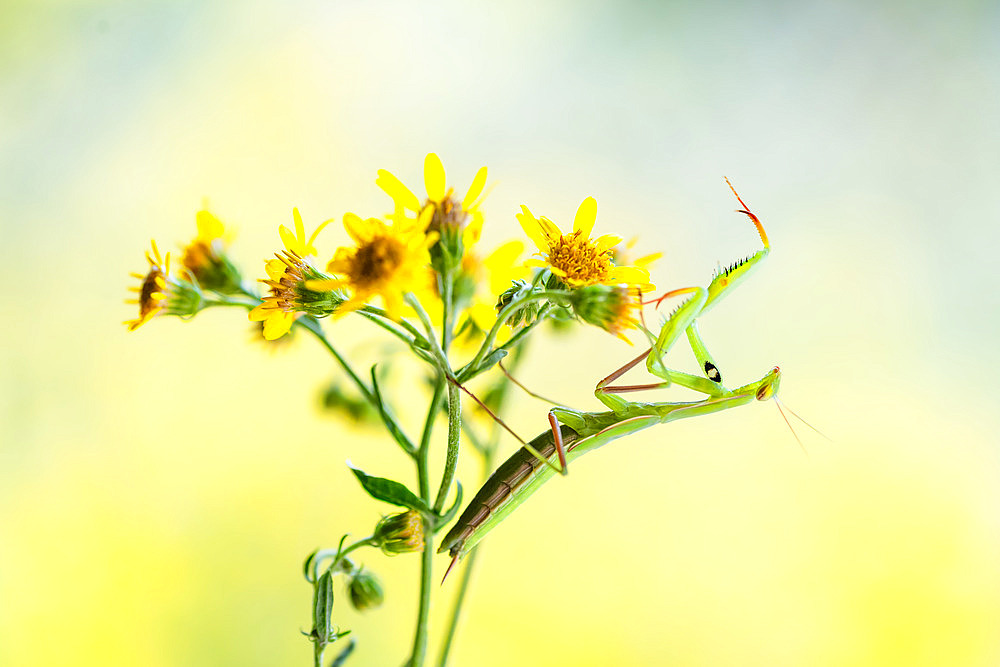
{"type": "Point", "coordinates": [712, 372]}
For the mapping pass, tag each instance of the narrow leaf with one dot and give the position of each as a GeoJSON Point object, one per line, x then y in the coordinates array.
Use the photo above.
{"type": "Point", "coordinates": [491, 360]}
{"type": "Point", "coordinates": [389, 491]}
{"type": "Point", "coordinates": [387, 419]}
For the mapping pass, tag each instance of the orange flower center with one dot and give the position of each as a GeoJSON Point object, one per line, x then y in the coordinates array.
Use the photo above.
{"type": "Point", "coordinates": [580, 260]}
{"type": "Point", "coordinates": [376, 261]}
{"type": "Point", "coordinates": [150, 286]}
{"type": "Point", "coordinates": [449, 214]}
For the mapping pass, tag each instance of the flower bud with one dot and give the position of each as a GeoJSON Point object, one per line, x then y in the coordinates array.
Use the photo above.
{"type": "Point", "coordinates": [365, 590]}
{"type": "Point", "coordinates": [401, 533]}
{"type": "Point", "coordinates": [610, 307]}
{"type": "Point", "coordinates": [323, 609]}
{"type": "Point", "coordinates": [449, 221]}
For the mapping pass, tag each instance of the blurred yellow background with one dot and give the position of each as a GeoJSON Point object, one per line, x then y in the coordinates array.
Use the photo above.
{"type": "Point", "coordinates": [159, 490]}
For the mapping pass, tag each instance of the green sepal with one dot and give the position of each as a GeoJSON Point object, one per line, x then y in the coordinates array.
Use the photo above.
{"type": "Point", "coordinates": [390, 423]}
{"type": "Point", "coordinates": [444, 519]}
{"type": "Point", "coordinates": [389, 491]}
{"type": "Point", "coordinates": [307, 565]}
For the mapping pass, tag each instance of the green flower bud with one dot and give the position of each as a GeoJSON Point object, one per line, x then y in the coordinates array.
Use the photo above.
{"type": "Point", "coordinates": [401, 533]}
{"type": "Point", "coordinates": [365, 590]}
{"type": "Point", "coordinates": [610, 307]}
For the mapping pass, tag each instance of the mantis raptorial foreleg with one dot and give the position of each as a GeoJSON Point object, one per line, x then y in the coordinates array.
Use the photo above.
{"type": "Point", "coordinates": [682, 320]}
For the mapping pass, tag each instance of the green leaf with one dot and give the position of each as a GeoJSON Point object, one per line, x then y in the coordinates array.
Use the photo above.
{"type": "Point", "coordinates": [443, 519]}
{"type": "Point", "coordinates": [389, 491]}
{"type": "Point", "coordinates": [346, 653]}
{"type": "Point", "coordinates": [491, 360]}
{"type": "Point", "coordinates": [387, 419]}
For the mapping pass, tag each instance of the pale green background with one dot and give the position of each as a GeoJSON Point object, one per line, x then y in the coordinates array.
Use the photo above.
{"type": "Point", "coordinates": [158, 490]}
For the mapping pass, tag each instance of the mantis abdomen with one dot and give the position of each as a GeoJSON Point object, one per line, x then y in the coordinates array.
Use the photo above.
{"type": "Point", "coordinates": [499, 490]}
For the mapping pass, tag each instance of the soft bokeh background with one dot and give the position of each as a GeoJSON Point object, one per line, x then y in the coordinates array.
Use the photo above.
{"type": "Point", "coordinates": [159, 490]}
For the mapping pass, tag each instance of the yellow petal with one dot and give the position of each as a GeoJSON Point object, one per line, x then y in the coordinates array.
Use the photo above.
{"type": "Point", "coordinates": [393, 303]}
{"type": "Point", "coordinates": [278, 325]}
{"type": "Point", "coordinates": [342, 260]}
{"type": "Point", "coordinates": [473, 231]}
{"type": "Point", "coordinates": [312, 238]}
{"type": "Point", "coordinates": [393, 187]}
{"type": "Point", "coordinates": [586, 215]}
{"type": "Point", "coordinates": [607, 242]}
{"type": "Point", "coordinates": [630, 275]}
{"type": "Point", "coordinates": [300, 229]}
{"type": "Point", "coordinates": [646, 260]}
{"type": "Point", "coordinates": [475, 189]}
{"type": "Point", "coordinates": [532, 229]}
{"type": "Point", "coordinates": [434, 177]}
{"type": "Point", "coordinates": [550, 230]}
{"type": "Point", "coordinates": [288, 239]}
{"type": "Point", "coordinates": [260, 313]}
{"type": "Point", "coordinates": [349, 306]}
{"type": "Point", "coordinates": [356, 227]}
{"type": "Point", "coordinates": [501, 268]}
{"type": "Point", "coordinates": [425, 218]}
{"type": "Point", "coordinates": [275, 268]}
{"type": "Point", "coordinates": [209, 227]}
{"type": "Point", "coordinates": [482, 314]}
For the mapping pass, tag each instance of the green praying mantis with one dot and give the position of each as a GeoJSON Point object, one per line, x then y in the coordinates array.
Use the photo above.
{"type": "Point", "coordinates": [574, 433]}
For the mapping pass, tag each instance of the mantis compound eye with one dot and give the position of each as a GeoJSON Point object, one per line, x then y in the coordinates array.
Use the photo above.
{"type": "Point", "coordinates": [770, 386]}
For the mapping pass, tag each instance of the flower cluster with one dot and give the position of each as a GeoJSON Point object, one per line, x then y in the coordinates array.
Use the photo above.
{"type": "Point", "coordinates": [424, 254]}
{"type": "Point", "coordinates": [422, 275]}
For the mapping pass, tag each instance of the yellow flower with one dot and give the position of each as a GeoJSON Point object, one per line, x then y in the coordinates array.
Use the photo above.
{"type": "Point", "coordinates": [205, 256]}
{"type": "Point", "coordinates": [388, 261]}
{"type": "Point", "coordinates": [285, 275]}
{"type": "Point", "coordinates": [157, 286]}
{"type": "Point", "coordinates": [575, 258]}
{"type": "Point", "coordinates": [446, 212]}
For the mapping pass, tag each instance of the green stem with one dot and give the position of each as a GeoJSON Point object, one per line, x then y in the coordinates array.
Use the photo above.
{"type": "Point", "coordinates": [471, 369]}
{"type": "Point", "coordinates": [426, 586]}
{"type": "Point", "coordinates": [488, 451]}
{"type": "Point", "coordinates": [312, 326]}
{"type": "Point", "coordinates": [454, 439]}
{"type": "Point", "coordinates": [470, 562]}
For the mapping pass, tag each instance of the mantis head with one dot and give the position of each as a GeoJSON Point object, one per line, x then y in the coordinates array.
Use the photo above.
{"type": "Point", "coordinates": [768, 387]}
